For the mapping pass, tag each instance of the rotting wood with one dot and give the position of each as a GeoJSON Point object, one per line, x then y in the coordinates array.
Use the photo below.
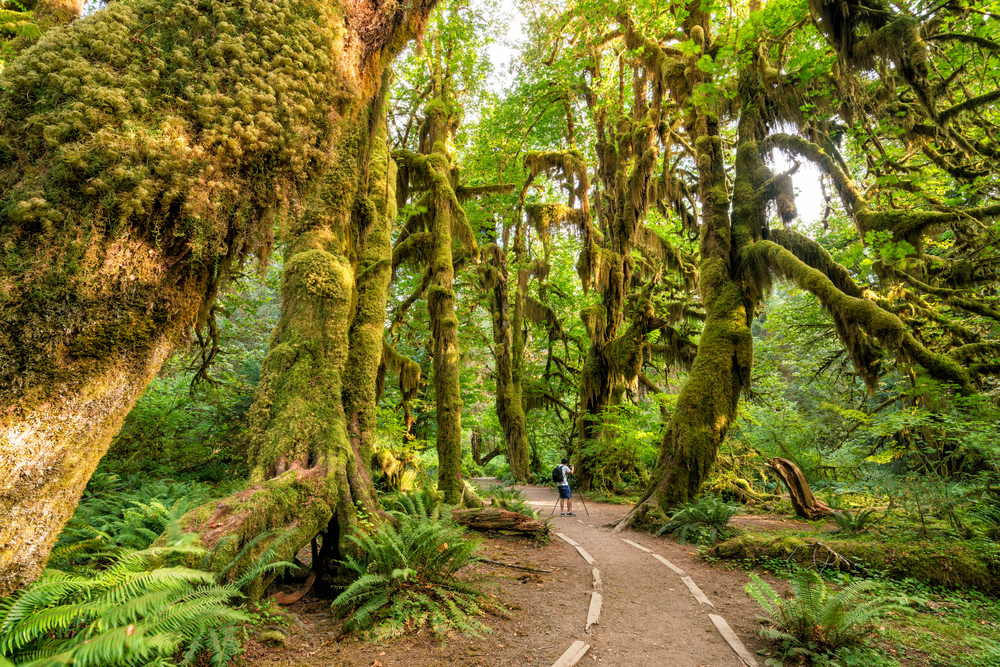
{"type": "Point", "coordinates": [289, 598]}
{"type": "Point", "coordinates": [573, 655]}
{"type": "Point", "coordinates": [696, 592]}
{"type": "Point", "coordinates": [594, 613]}
{"type": "Point", "coordinates": [494, 518]}
{"type": "Point", "coordinates": [586, 556]}
{"type": "Point", "coordinates": [516, 567]}
{"type": "Point", "coordinates": [803, 500]}
{"type": "Point", "coordinates": [637, 546]}
{"type": "Point", "coordinates": [669, 564]}
{"type": "Point", "coordinates": [597, 581]}
{"type": "Point", "coordinates": [734, 641]}
{"type": "Point", "coordinates": [567, 540]}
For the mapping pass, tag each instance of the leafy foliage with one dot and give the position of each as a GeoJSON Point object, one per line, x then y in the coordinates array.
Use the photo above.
{"type": "Point", "coordinates": [856, 522]}
{"type": "Point", "coordinates": [701, 522]}
{"type": "Point", "coordinates": [135, 612]}
{"type": "Point", "coordinates": [406, 581]}
{"type": "Point", "coordinates": [422, 504]}
{"type": "Point", "coordinates": [815, 620]}
{"type": "Point", "coordinates": [509, 498]}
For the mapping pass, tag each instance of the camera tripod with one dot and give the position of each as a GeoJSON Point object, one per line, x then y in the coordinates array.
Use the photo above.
{"type": "Point", "coordinates": [581, 500]}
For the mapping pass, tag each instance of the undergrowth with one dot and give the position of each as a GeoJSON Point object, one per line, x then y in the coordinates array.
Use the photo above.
{"type": "Point", "coordinates": [817, 622]}
{"type": "Point", "coordinates": [405, 581]}
{"type": "Point", "coordinates": [701, 522]}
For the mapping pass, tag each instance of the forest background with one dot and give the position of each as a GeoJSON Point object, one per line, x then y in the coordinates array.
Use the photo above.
{"type": "Point", "coordinates": [603, 260]}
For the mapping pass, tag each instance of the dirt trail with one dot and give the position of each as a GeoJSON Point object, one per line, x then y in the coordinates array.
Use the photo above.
{"type": "Point", "coordinates": [648, 617]}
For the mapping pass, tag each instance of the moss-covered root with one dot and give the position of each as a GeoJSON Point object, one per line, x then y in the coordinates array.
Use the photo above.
{"type": "Point", "coordinates": [296, 506]}
{"type": "Point", "coordinates": [49, 451]}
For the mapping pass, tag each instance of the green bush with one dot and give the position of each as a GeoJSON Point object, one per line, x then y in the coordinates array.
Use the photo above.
{"type": "Point", "coordinates": [701, 522]}
{"type": "Point", "coordinates": [816, 621]}
{"type": "Point", "coordinates": [510, 499]}
{"type": "Point", "coordinates": [406, 581]}
{"type": "Point", "coordinates": [423, 504]}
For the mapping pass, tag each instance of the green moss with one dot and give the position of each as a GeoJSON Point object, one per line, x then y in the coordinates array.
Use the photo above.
{"type": "Point", "coordinates": [962, 565]}
{"type": "Point", "coordinates": [648, 518]}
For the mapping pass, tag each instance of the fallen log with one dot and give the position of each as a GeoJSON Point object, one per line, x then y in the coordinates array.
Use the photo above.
{"type": "Point", "coordinates": [494, 518]}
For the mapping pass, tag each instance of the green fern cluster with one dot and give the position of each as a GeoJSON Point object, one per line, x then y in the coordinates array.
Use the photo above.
{"type": "Point", "coordinates": [856, 522]}
{"type": "Point", "coordinates": [116, 517]}
{"type": "Point", "coordinates": [422, 504]}
{"type": "Point", "coordinates": [508, 498]}
{"type": "Point", "coordinates": [701, 522]}
{"type": "Point", "coordinates": [145, 607]}
{"type": "Point", "coordinates": [406, 581]}
{"type": "Point", "coordinates": [132, 613]}
{"type": "Point", "coordinates": [817, 621]}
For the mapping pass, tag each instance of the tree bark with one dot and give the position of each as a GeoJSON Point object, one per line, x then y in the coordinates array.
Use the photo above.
{"type": "Point", "coordinates": [119, 230]}
{"type": "Point", "coordinates": [803, 500]}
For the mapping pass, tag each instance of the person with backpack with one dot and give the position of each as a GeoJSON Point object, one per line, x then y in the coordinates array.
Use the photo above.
{"type": "Point", "coordinates": [559, 474]}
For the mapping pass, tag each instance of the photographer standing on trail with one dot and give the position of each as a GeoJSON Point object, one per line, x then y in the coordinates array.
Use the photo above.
{"type": "Point", "coordinates": [565, 495]}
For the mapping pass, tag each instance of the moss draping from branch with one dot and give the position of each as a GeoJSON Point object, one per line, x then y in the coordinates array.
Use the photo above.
{"type": "Point", "coordinates": [855, 317]}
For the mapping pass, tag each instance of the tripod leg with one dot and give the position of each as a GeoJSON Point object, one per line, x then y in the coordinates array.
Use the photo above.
{"type": "Point", "coordinates": [584, 505]}
{"type": "Point", "coordinates": [554, 508]}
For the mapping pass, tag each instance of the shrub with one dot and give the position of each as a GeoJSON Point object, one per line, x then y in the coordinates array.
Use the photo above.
{"type": "Point", "coordinates": [509, 498]}
{"type": "Point", "coordinates": [817, 621]}
{"type": "Point", "coordinates": [406, 581]}
{"type": "Point", "coordinates": [702, 522]}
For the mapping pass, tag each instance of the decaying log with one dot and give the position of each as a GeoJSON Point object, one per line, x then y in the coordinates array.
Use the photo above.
{"type": "Point", "coordinates": [805, 503]}
{"type": "Point", "coordinates": [494, 518]}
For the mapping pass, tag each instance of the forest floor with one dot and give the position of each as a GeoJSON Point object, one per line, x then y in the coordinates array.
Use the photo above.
{"type": "Point", "coordinates": [649, 615]}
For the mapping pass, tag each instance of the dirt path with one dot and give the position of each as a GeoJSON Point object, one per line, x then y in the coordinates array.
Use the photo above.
{"type": "Point", "coordinates": [648, 617]}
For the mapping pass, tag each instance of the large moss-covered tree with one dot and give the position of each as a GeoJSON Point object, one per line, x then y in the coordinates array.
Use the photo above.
{"type": "Point", "coordinates": [840, 84]}
{"type": "Point", "coordinates": [146, 152]}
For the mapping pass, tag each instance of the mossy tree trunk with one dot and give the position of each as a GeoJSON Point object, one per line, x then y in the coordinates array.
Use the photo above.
{"type": "Point", "coordinates": [508, 355]}
{"type": "Point", "coordinates": [120, 228]}
{"type": "Point", "coordinates": [441, 300]}
{"type": "Point", "coordinates": [707, 403]}
{"type": "Point", "coordinates": [430, 238]}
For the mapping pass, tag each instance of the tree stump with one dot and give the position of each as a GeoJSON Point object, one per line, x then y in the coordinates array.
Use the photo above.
{"type": "Point", "coordinates": [802, 497]}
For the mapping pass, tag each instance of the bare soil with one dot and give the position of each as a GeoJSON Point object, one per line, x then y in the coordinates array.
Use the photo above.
{"type": "Point", "coordinates": [649, 616]}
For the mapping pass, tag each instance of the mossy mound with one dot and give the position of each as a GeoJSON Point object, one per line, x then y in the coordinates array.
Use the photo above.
{"type": "Point", "coordinates": [943, 562]}
{"type": "Point", "coordinates": [648, 518]}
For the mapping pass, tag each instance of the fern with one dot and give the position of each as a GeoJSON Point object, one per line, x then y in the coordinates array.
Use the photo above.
{"type": "Point", "coordinates": [425, 504]}
{"type": "Point", "coordinates": [510, 499]}
{"type": "Point", "coordinates": [132, 613]}
{"type": "Point", "coordinates": [856, 522]}
{"type": "Point", "coordinates": [405, 580]}
{"type": "Point", "coordinates": [701, 522]}
{"type": "Point", "coordinates": [816, 620]}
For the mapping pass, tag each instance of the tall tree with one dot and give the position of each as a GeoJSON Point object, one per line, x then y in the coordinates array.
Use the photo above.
{"type": "Point", "coordinates": [430, 234]}
{"type": "Point", "coordinates": [145, 152]}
